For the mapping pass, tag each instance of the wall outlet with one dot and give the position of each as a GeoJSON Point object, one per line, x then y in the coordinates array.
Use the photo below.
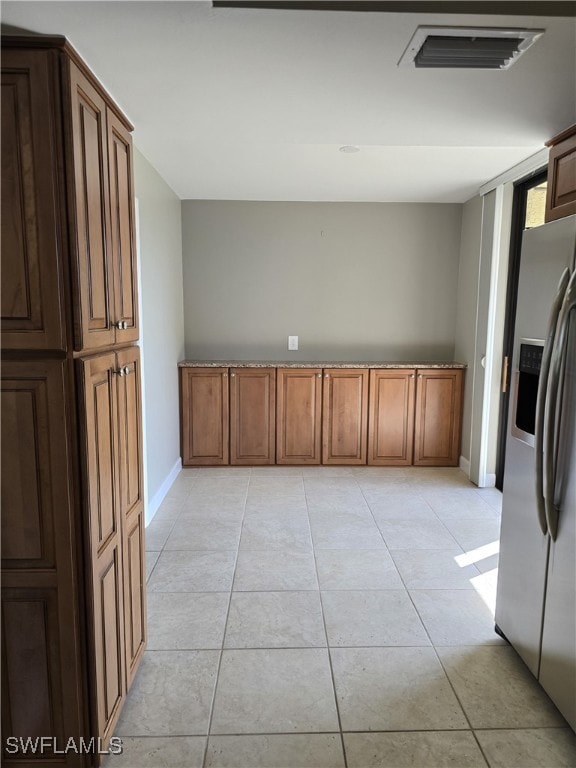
{"type": "Point", "coordinates": [293, 343]}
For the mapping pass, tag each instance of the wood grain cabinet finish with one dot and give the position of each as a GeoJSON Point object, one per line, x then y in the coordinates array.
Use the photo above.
{"type": "Point", "coordinates": [345, 416]}
{"type": "Point", "coordinates": [391, 417]}
{"type": "Point", "coordinates": [42, 679]}
{"type": "Point", "coordinates": [73, 595]}
{"type": "Point", "coordinates": [438, 417]}
{"type": "Point", "coordinates": [204, 394]}
{"type": "Point", "coordinates": [561, 192]}
{"type": "Point", "coordinates": [33, 314]}
{"type": "Point", "coordinates": [252, 415]}
{"type": "Point", "coordinates": [103, 209]}
{"type": "Point", "coordinates": [299, 416]}
{"type": "Point", "coordinates": [131, 505]}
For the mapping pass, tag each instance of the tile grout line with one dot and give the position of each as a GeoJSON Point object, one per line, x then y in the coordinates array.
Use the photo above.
{"type": "Point", "coordinates": [221, 654]}
{"type": "Point", "coordinates": [344, 755]}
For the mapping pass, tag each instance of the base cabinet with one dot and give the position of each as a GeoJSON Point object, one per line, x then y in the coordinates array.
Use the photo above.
{"type": "Point", "coordinates": [204, 394]}
{"type": "Point", "coordinates": [344, 416]}
{"type": "Point", "coordinates": [438, 417]}
{"type": "Point", "coordinates": [308, 416]}
{"type": "Point", "coordinates": [252, 415]}
{"type": "Point", "coordinates": [391, 417]}
{"type": "Point", "coordinates": [299, 416]}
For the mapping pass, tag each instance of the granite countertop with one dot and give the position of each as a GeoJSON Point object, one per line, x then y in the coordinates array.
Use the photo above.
{"type": "Point", "coordinates": [314, 364]}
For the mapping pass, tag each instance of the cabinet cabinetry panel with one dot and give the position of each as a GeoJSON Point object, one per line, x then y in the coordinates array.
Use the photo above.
{"type": "Point", "coordinates": [345, 415]}
{"type": "Point", "coordinates": [32, 307]}
{"type": "Point", "coordinates": [252, 415]}
{"type": "Point", "coordinates": [561, 192]}
{"type": "Point", "coordinates": [105, 542]}
{"type": "Point", "coordinates": [391, 419]}
{"type": "Point", "coordinates": [299, 416]}
{"type": "Point", "coordinates": [94, 262]}
{"type": "Point", "coordinates": [438, 417]}
{"type": "Point", "coordinates": [134, 591]}
{"type": "Point", "coordinates": [205, 416]}
{"type": "Point", "coordinates": [122, 229]}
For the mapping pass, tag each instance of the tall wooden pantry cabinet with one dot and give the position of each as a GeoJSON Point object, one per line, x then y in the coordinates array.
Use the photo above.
{"type": "Point", "coordinates": [73, 588]}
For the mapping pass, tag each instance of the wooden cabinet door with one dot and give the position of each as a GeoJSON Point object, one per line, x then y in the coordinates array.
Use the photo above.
{"type": "Point", "coordinates": [561, 191]}
{"type": "Point", "coordinates": [129, 481]}
{"type": "Point", "coordinates": [204, 416]}
{"type": "Point", "coordinates": [438, 417]}
{"type": "Point", "coordinates": [252, 415]}
{"type": "Point", "coordinates": [32, 297]}
{"type": "Point", "coordinates": [42, 673]}
{"type": "Point", "coordinates": [104, 529]}
{"type": "Point", "coordinates": [345, 416]}
{"type": "Point", "coordinates": [299, 416]}
{"type": "Point", "coordinates": [94, 319]}
{"type": "Point", "coordinates": [391, 417]}
{"type": "Point", "coordinates": [122, 230]}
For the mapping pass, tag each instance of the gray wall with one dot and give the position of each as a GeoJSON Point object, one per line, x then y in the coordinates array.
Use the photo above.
{"type": "Point", "coordinates": [353, 281]}
{"type": "Point", "coordinates": [162, 323]}
{"type": "Point", "coordinates": [468, 276]}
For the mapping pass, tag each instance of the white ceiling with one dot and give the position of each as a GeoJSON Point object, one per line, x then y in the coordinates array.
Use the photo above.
{"type": "Point", "coordinates": [254, 104]}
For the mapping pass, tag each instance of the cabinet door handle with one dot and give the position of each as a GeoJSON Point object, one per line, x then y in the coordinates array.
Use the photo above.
{"type": "Point", "coordinates": [326, 375]}
{"type": "Point", "coordinates": [225, 375]}
{"type": "Point", "coordinates": [231, 375]}
{"type": "Point", "coordinates": [411, 375]}
{"type": "Point", "coordinates": [122, 325]}
{"type": "Point", "coordinates": [126, 370]}
{"type": "Point", "coordinates": [119, 371]}
{"type": "Point", "coordinates": [319, 375]}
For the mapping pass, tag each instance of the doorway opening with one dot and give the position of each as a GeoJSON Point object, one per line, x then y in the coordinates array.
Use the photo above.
{"type": "Point", "coordinates": [528, 207]}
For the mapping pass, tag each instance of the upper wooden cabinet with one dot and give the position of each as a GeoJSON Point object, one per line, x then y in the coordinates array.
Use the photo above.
{"type": "Point", "coordinates": [345, 416]}
{"type": "Point", "coordinates": [68, 243]}
{"type": "Point", "coordinates": [299, 416]}
{"type": "Point", "coordinates": [204, 394]}
{"type": "Point", "coordinates": [33, 314]}
{"type": "Point", "coordinates": [252, 415]}
{"type": "Point", "coordinates": [561, 193]}
{"type": "Point", "coordinates": [438, 417]}
{"type": "Point", "coordinates": [104, 209]}
{"type": "Point", "coordinates": [391, 417]}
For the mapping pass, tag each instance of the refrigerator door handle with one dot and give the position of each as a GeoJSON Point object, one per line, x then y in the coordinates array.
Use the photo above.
{"type": "Point", "coordinates": [553, 403]}
{"type": "Point", "coordinates": [543, 389]}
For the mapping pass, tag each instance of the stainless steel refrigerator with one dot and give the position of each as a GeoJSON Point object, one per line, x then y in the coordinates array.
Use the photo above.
{"type": "Point", "coordinates": [536, 597]}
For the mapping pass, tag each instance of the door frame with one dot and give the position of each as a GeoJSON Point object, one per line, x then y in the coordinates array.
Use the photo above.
{"type": "Point", "coordinates": [519, 201]}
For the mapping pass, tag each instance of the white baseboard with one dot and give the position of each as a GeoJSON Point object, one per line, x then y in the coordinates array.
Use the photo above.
{"type": "Point", "coordinates": [158, 497]}
{"type": "Point", "coordinates": [489, 481]}
{"type": "Point", "coordinates": [464, 465]}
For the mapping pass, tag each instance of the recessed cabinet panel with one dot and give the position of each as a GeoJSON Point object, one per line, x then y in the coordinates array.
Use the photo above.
{"type": "Point", "coordinates": [130, 458]}
{"type": "Point", "coordinates": [252, 415]}
{"type": "Point", "coordinates": [31, 680]}
{"type": "Point", "coordinates": [345, 416]}
{"type": "Point", "coordinates": [35, 490]}
{"type": "Point", "coordinates": [134, 592]}
{"type": "Point", "coordinates": [205, 416]}
{"type": "Point", "coordinates": [391, 419]}
{"type": "Point", "coordinates": [32, 307]}
{"type": "Point", "coordinates": [94, 262]}
{"type": "Point", "coordinates": [299, 416]}
{"type": "Point", "coordinates": [109, 639]}
{"type": "Point", "coordinates": [438, 417]}
{"type": "Point", "coordinates": [122, 230]}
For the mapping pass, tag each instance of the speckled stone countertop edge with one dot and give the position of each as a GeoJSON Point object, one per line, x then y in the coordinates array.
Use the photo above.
{"type": "Point", "coordinates": [307, 364]}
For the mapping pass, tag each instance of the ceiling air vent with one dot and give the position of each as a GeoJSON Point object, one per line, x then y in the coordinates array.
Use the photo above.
{"type": "Point", "coordinates": [467, 47]}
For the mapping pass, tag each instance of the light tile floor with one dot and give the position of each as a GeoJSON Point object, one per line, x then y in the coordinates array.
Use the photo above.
{"type": "Point", "coordinates": [328, 617]}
